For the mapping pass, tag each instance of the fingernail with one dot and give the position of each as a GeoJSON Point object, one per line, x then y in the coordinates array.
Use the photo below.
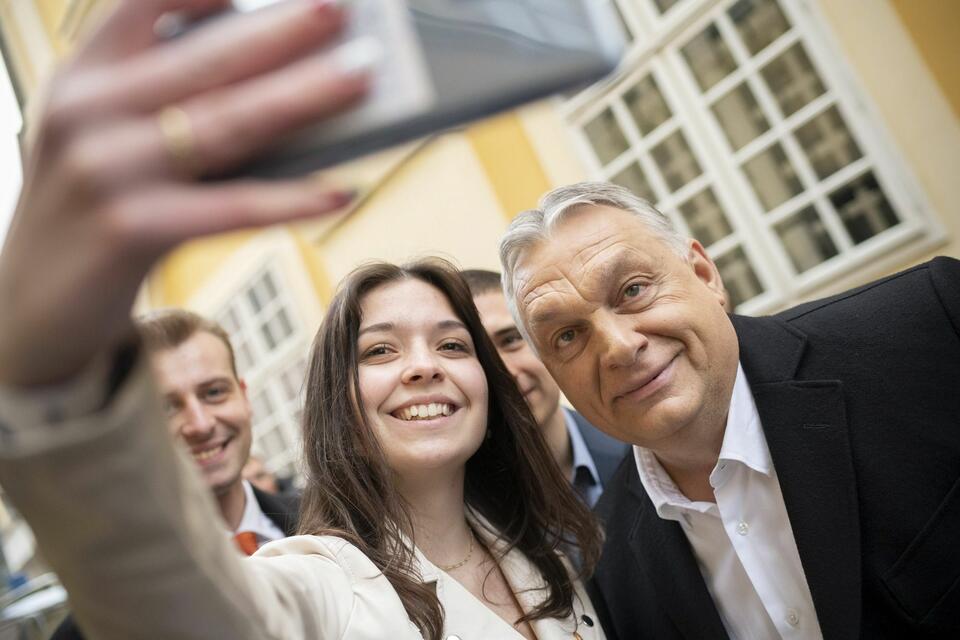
{"type": "Point", "coordinates": [340, 198]}
{"type": "Point", "coordinates": [357, 57]}
{"type": "Point", "coordinates": [333, 5]}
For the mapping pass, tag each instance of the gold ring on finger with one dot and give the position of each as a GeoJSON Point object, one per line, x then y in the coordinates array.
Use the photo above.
{"type": "Point", "coordinates": [176, 131]}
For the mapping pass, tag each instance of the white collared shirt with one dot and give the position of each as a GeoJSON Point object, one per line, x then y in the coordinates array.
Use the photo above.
{"type": "Point", "coordinates": [743, 543]}
{"type": "Point", "coordinates": [255, 520]}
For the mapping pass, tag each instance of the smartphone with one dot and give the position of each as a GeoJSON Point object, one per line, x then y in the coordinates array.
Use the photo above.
{"type": "Point", "coordinates": [446, 62]}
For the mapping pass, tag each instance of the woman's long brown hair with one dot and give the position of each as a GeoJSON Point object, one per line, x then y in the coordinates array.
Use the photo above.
{"type": "Point", "coordinates": [512, 480]}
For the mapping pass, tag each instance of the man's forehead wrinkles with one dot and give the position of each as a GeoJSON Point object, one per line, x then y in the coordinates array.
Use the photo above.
{"type": "Point", "coordinates": [591, 250]}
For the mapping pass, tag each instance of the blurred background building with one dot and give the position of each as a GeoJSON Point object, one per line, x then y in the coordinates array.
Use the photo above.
{"type": "Point", "coordinates": [810, 145]}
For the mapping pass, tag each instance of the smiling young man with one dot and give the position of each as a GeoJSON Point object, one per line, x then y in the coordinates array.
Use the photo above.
{"type": "Point", "coordinates": [209, 413]}
{"type": "Point", "coordinates": [794, 476]}
{"type": "Point", "coordinates": [587, 456]}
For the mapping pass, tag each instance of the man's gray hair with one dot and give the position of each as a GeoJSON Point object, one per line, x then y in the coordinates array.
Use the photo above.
{"type": "Point", "coordinates": [534, 226]}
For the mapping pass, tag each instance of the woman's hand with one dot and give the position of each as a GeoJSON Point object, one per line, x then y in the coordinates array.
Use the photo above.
{"type": "Point", "coordinates": [130, 123]}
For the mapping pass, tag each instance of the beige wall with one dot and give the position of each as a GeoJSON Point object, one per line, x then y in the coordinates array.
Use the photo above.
{"type": "Point", "coordinates": [439, 203]}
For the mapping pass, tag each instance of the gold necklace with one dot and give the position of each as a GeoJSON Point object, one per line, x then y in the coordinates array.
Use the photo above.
{"type": "Point", "coordinates": [457, 565]}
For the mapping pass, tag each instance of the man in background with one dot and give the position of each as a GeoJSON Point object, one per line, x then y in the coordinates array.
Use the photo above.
{"type": "Point", "coordinates": [587, 456]}
{"type": "Point", "coordinates": [209, 413]}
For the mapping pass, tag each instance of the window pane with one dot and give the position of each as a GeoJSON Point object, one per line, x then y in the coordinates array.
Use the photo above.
{"type": "Point", "coordinates": [740, 116]}
{"type": "Point", "coordinates": [759, 22]}
{"type": "Point", "coordinates": [738, 276]}
{"type": "Point", "coordinates": [229, 321]}
{"type": "Point", "coordinates": [772, 177]}
{"type": "Point", "coordinates": [634, 179]}
{"type": "Point", "coordinates": [828, 143]}
{"type": "Point", "coordinates": [280, 324]}
{"type": "Point", "coordinates": [705, 217]}
{"type": "Point", "coordinates": [708, 57]}
{"type": "Point", "coordinates": [605, 136]}
{"type": "Point", "coordinates": [676, 161]}
{"type": "Point", "coordinates": [268, 336]}
{"type": "Point", "coordinates": [863, 208]}
{"type": "Point", "coordinates": [792, 79]}
{"type": "Point", "coordinates": [244, 356]}
{"type": "Point", "coordinates": [254, 298]}
{"type": "Point", "coordinates": [646, 105]}
{"type": "Point", "coordinates": [806, 239]}
{"type": "Point", "coordinates": [269, 289]}
{"type": "Point", "coordinates": [664, 5]}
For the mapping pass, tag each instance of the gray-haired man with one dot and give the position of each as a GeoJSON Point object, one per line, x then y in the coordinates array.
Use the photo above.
{"type": "Point", "coordinates": [795, 476]}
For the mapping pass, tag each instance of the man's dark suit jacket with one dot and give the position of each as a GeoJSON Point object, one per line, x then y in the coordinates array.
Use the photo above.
{"type": "Point", "coordinates": [859, 397]}
{"type": "Point", "coordinates": [283, 511]}
{"type": "Point", "coordinates": [606, 452]}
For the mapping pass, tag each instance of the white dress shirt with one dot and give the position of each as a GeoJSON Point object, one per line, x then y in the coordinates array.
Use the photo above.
{"type": "Point", "coordinates": [255, 520]}
{"type": "Point", "coordinates": [743, 543]}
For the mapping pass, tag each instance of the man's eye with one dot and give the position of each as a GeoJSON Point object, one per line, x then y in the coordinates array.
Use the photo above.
{"type": "Point", "coordinates": [512, 340]}
{"type": "Point", "coordinates": [215, 392]}
{"type": "Point", "coordinates": [566, 337]}
{"type": "Point", "coordinates": [633, 290]}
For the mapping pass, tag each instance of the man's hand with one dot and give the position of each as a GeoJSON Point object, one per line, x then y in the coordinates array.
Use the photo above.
{"type": "Point", "coordinates": [129, 125]}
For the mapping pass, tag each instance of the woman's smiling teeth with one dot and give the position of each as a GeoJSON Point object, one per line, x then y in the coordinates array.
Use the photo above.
{"type": "Point", "coordinates": [424, 411]}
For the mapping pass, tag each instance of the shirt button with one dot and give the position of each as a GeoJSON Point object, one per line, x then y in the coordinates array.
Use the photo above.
{"type": "Point", "coordinates": [793, 618]}
{"type": "Point", "coordinates": [743, 528]}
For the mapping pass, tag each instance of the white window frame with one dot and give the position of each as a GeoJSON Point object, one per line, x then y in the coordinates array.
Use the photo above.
{"type": "Point", "coordinates": [263, 376]}
{"type": "Point", "coordinates": [655, 48]}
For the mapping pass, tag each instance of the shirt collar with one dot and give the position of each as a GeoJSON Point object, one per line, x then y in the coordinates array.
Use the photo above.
{"type": "Point", "coordinates": [254, 519]}
{"type": "Point", "coordinates": [578, 446]}
{"type": "Point", "coordinates": [743, 442]}
{"type": "Point", "coordinates": [743, 439]}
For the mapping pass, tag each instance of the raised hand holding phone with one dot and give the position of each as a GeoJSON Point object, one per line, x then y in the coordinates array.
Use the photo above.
{"type": "Point", "coordinates": [128, 127]}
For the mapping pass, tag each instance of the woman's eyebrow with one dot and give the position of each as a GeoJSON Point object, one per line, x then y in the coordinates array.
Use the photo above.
{"type": "Point", "coordinates": [380, 326]}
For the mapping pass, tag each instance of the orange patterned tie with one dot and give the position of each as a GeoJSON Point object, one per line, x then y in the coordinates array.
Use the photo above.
{"type": "Point", "coordinates": [247, 542]}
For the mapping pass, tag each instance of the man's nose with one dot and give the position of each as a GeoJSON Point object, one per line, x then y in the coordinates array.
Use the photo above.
{"type": "Point", "coordinates": [623, 341]}
{"type": "Point", "coordinates": [197, 419]}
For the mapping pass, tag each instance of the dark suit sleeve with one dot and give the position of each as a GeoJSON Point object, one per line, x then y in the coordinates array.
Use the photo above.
{"type": "Point", "coordinates": [67, 630]}
{"type": "Point", "coordinates": [945, 275]}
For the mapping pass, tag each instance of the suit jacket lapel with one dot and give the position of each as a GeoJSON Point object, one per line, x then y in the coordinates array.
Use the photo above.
{"type": "Point", "coordinates": [806, 430]}
{"type": "Point", "coordinates": [663, 553]}
{"type": "Point", "coordinates": [282, 511]}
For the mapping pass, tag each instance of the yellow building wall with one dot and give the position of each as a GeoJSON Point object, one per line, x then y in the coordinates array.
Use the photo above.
{"type": "Point", "coordinates": [934, 26]}
{"type": "Point", "coordinates": [181, 274]}
{"type": "Point", "coordinates": [440, 202]}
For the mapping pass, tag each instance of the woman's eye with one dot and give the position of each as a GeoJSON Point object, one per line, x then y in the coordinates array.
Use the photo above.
{"type": "Point", "coordinates": [566, 337]}
{"type": "Point", "coordinates": [453, 346]}
{"type": "Point", "coordinates": [377, 350]}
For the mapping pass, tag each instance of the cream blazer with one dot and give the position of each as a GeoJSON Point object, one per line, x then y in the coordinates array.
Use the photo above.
{"type": "Point", "coordinates": [123, 517]}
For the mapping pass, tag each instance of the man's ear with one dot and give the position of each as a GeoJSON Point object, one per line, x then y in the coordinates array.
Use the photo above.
{"type": "Point", "coordinates": [706, 271]}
